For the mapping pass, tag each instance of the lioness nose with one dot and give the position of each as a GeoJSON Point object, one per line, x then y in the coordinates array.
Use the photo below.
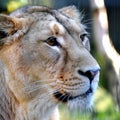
{"type": "Point", "coordinates": [90, 74]}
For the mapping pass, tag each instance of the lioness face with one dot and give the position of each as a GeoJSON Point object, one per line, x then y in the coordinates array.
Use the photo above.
{"type": "Point", "coordinates": [49, 57]}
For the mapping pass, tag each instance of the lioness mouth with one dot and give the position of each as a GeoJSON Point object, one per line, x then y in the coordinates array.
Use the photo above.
{"type": "Point", "coordinates": [65, 97]}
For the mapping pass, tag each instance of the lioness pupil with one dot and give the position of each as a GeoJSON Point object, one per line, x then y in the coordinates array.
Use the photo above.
{"type": "Point", "coordinates": [52, 41]}
{"type": "Point", "coordinates": [82, 37]}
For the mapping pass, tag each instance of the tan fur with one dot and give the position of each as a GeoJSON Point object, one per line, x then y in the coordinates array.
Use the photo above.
{"type": "Point", "coordinates": [33, 70]}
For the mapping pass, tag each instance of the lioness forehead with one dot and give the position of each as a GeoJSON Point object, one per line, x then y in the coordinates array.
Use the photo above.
{"type": "Point", "coordinates": [43, 20]}
{"type": "Point", "coordinates": [67, 18]}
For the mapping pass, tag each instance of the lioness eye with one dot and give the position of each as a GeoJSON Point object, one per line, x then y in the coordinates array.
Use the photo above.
{"type": "Point", "coordinates": [82, 36]}
{"type": "Point", "coordinates": [52, 41]}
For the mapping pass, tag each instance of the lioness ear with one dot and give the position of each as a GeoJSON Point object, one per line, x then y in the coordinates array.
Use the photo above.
{"type": "Point", "coordinates": [71, 11]}
{"type": "Point", "coordinates": [13, 28]}
{"type": "Point", "coordinates": [8, 25]}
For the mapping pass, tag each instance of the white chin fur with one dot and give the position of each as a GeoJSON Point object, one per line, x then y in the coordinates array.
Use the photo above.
{"type": "Point", "coordinates": [81, 104]}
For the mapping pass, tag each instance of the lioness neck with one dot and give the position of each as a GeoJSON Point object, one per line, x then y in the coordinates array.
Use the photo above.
{"type": "Point", "coordinates": [12, 109]}
{"type": "Point", "coordinates": [7, 110]}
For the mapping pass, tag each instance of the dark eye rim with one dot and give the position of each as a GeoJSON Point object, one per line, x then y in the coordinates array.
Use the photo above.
{"type": "Point", "coordinates": [82, 36]}
{"type": "Point", "coordinates": [52, 41]}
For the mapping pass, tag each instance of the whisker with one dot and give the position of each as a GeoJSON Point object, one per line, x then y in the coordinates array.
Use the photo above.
{"type": "Point", "coordinates": [47, 95]}
{"type": "Point", "coordinates": [65, 97]}
{"type": "Point", "coordinates": [43, 81]}
{"type": "Point", "coordinates": [46, 80]}
{"type": "Point", "coordinates": [88, 20]}
{"type": "Point", "coordinates": [54, 91]}
{"type": "Point", "coordinates": [37, 87]}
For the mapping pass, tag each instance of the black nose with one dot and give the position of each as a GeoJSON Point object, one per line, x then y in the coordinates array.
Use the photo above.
{"type": "Point", "coordinates": [90, 74]}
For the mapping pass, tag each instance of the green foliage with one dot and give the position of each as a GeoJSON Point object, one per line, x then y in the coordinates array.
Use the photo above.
{"type": "Point", "coordinates": [14, 4]}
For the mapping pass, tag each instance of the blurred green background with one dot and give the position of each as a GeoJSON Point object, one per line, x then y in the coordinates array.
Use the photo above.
{"type": "Point", "coordinates": [107, 100]}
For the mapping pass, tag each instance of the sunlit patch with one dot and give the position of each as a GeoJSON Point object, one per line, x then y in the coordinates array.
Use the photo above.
{"type": "Point", "coordinates": [99, 3]}
{"type": "Point", "coordinates": [111, 52]}
{"type": "Point", "coordinates": [108, 47]}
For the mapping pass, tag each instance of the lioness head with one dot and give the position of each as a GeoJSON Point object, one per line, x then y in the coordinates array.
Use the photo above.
{"type": "Point", "coordinates": [47, 58]}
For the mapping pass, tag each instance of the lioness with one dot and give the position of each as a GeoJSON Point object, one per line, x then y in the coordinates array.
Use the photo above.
{"type": "Point", "coordinates": [45, 60]}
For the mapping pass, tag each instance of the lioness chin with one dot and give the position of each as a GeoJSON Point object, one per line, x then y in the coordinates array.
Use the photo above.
{"type": "Point", "coordinates": [44, 60]}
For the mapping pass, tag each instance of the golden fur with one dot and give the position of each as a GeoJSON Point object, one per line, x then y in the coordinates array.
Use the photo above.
{"type": "Point", "coordinates": [45, 60]}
